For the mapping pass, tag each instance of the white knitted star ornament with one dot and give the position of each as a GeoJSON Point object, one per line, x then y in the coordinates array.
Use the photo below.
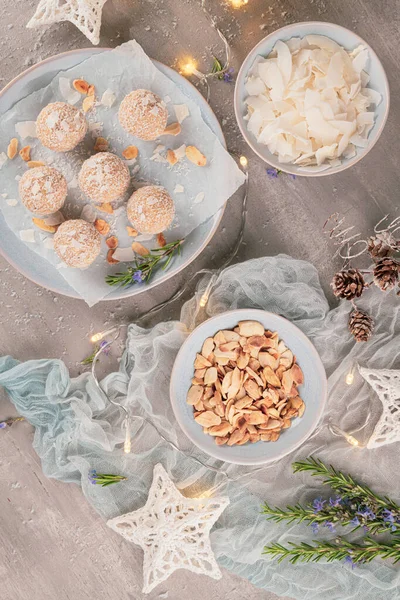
{"type": "Point", "coordinates": [172, 530]}
{"type": "Point", "coordinates": [386, 384]}
{"type": "Point", "coordinates": [85, 14]}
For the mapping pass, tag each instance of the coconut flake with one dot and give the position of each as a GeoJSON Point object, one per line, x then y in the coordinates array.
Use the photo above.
{"type": "Point", "coordinates": [28, 236]}
{"type": "Point", "coordinates": [199, 198]}
{"type": "Point", "coordinates": [26, 129]}
{"type": "Point", "coordinates": [3, 159]}
{"type": "Point", "coordinates": [12, 202]}
{"type": "Point", "coordinates": [179, 189]}
{"type": "Point", "coordinates": [181, 112]}
{"type": "Point", "coordinates": [48, 243]}
{"type": "Point", "coordinates": [108, 98]}
{"type": "Point", "coordinates": [55, 219]}
{"type": "Point", "coordinates": [88, 213]}
{"type": "Point", "coordinates": [124, 254]}
{"type": "Point", "coordinates": [69, 95]}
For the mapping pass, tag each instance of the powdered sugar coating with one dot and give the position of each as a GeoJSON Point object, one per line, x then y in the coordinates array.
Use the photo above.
{"type": "Point", "coordinates": [104, 177]}
{"type": "Point", "coordinates": [43, 190]}
{"type": "Point", "coordinates": [61, 126]}
{"type": "Point", "coordinates": [151, 209]}
{"type": "Point", "coordinates": [77, 243]}
{"type": "Point", "coordinates": [143, 114]}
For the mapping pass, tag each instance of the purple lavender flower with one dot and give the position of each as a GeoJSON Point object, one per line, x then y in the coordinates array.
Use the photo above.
{"type": "Point", "coordinates": [314, 527]}
{"type": "Point", "coordinates": [355, 522]}
{"type": "Point", "coordinates": [3, 425]}
{"type": "Point", "coordinates": [104, 344]}
{"type": "Point", "coordinates": [349, 561]}
{"type": "Point", "coordinates": [137, 277]}
{"type": "Point", "coordinates": [330, 526]}
{"type": "Point", "coordinates": [318, 504]}
{"type": "Point", "coordinates": [335, 501]}
{"type": "Point", "coordinates": [272, 173]}
{"type": "Point", "coordinates": [388, 517]}
{"type": "Point", "coordinates": [292, 175]}
{"type": "Point", "coordinates": [228, 75]}
{"type": "Point", "coordinates": [92, 476]}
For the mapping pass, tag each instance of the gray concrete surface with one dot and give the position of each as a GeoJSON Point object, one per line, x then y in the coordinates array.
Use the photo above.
{"type": "Point", "coordinates": [52, 544]}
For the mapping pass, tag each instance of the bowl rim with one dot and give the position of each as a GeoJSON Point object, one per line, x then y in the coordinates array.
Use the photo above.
{"type": "Point", "coordinates": [238, 102]}
{"type": "Point", "coordinates": [217, 217]}
{"type": "Point", "coordinates": [319, 370]}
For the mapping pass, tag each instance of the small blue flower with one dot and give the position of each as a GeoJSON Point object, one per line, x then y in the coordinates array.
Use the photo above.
{"type": "Point", "coordinates": [330, 526]}
{"type": "Point", "coordinates": [92, 476]}
{"type": "Point", "coordinates": [137, 277]}
{"type": "Point", "coordinates": [228, 75]}
{"type": "Point", "coordinates": [355, 522]}
{"type": "Point", "coordinates": [366, 512]}
{"type": "Point", "coordinates": [314, 527]}
{"type": "Point", "coordinates": [335, 501]}
{"type": "Point", "coordinates": [349, 561]}
{"type": "Point", "coordinates": [104, 344]}
{"type": "Point", "coordinates": [318, 504]}
{"type": "Point", "coordinates": [3, 425]}
{"type": "Point", "coordinates": [292, 175]}
{"type": "Point", "coordinates": [272, 173]}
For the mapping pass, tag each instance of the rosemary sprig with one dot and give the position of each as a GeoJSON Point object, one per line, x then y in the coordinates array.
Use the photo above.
{"type": "Point", "coordinates": [89, 359]}
{"type": "Point", "coordinates": [343, 484]}
{"type": "Point", "coordinates": [341, 550]}
{"type": "Point", "coordinates": [104, 479]}
{"type": "Point", "coordinates": [10, 421]}
{"type": "Point", "coordinates": [145, 266]}
{"type": "Point", "coordinates": [217, 67]}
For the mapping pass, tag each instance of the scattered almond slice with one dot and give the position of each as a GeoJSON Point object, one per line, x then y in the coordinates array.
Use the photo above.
{"type": "Point", "coordinates": [88, 103]}
{"type": "Point", "coordinates": [112, 242]}
{"type": "Point", "coordinates": [12, 148]}
{"type": "Point", "coordinates": [81, 86]}
{"type": "Point", "coordinates": [195, 156]}
{"type": "Point", "coordinates": [130, 152]}
{"type": "Point", "coordinates": [32, 164]}
{"type": "Point", "coordinates": [161, 241]}
{"type": "Point", "coordinates": [140, 249]}
{"type": "Point", "coordinates": [102, 226]}
{"type": "Point", "coordinates": [110, 257]}
{"type": "Point", "coordinates": [105, 207]}
{"type": "Point", "coordinates": [101, 145]}
{"type": "Point", "coordinates": [173, 129]}
{"type": "Point", "coordinates": [43, 226]}
{"type": "Point", "coordinates": [91, 90]}
{"type": "Point", "coordinates": [131, 231]}
{"type": "Point", "coordinates": [171, 157]}
{"type": "Point", "coordinates": [25, 153]}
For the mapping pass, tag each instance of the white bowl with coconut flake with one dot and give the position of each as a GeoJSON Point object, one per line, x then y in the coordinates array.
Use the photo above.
{"type": "Point", "coordinates": [312, 99]}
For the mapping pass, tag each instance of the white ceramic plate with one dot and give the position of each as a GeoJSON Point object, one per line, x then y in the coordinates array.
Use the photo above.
{"type": "Point", "coordinates": [313, 391]}
{"type": "Point", "coordinates": [346, 38]}
{"type": "Point", "coordinates": [35, 267]}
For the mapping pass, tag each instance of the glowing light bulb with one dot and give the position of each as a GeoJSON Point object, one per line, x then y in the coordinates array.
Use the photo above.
{"type": "Point", "coordinates": [203, 300]}
{"type": "Point", "coordinates": [96, 338]}
{"type": "Point", "coordinates": [238, 3]}
{"type": "Point", "coordinates": [189, 67]}
{"type": "Point", "coordinates": [127, 446]}
{"type": "Point", "coordinates": [352, 440]}
{"type": "Point", "coordinates": [243, 161]}
{"type": "Point", "coordinates": [350, 378]}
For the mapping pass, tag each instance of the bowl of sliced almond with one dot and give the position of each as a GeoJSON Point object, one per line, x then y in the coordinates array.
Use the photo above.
{"type": "Point", "coordinates": [248, 387]}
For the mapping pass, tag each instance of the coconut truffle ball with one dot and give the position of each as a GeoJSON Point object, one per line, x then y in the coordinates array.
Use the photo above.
{"type": "Point", "coordinates": [151, 209]}
{"type": "Point", "coordinates": [77, 243]}
{"type": "Point", "coordinates": [104, 177]}
{"type": "Point", "coordinates": [43, 190]}
{"type": "Point", "coordinates": [61, 126]}
{"type": "Point", "coordinates": [143, 114]}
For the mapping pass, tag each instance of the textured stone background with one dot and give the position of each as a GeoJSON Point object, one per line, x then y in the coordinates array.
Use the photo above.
{"type": "Point", "coordinates": [52, 544]}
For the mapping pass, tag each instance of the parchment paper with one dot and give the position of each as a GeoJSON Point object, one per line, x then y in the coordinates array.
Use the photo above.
{"type": "Point", "coordinates": [205, 189]}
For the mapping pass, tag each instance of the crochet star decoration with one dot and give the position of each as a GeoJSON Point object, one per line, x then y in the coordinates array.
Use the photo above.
{"type": "Point", "coordinates": [172, 530]}
{"type": "Point", "coordinates": [84, 14]}
{"type": "Point", "coordinates": [386, 384]}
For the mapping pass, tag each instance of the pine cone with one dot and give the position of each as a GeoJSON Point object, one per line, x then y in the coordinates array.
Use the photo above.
{"type": "Point", "coordinates": [381, 245]}
{"type": "Point", "coordinates": [361, 325]}
{"type": "Point", "coordinates": [348, 284]}
{"type": "Point", "coordinates": [386, 273]}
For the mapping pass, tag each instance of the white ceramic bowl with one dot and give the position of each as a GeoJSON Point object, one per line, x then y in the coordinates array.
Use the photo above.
{"type": "Point", "coordinates": [346, 38]}
{"type": "Point", "coordinates": [313, 391]}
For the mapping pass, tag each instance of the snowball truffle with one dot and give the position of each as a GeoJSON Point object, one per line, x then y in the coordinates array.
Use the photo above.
{"type": "Point", "coordinates": [61, 126]}
{"type": "Point", "coordinates": [143, 114]}
{"type": "Point", "coordinates": [104, 177]}
{"type": "Point", "coordinates": [77, 243]}
{"type": "Point", "coordinates": [151, 209]}
{"type": "Point", "coordinates": [43, 190]}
